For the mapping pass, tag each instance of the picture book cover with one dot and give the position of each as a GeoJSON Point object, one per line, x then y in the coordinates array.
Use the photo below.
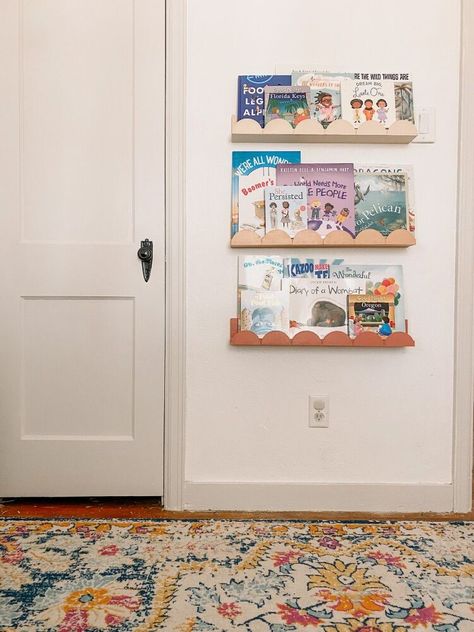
{"type": "Point", "coordinates": [368, 100]}
{"type": "Point", "coordinates": [378, 281]}
{"type": "Point", "coordinates": [262, 312]}
{"type": "Point", "coordinates": [285, 209]}
{"type": "Point", "coordinates": [330, 188]}
{"type": "Point", "coordinates": [251, 94]}
{"type": "Point", "coordinates": [325, 93]}
{"type": "Point", "coordinates": [289, 103]}
{"type": "Point", "coordinates": [364, 313]}
{"type": "Point", "coordinates": [404, 109]}
{"type": "Point", "coordinates": [260, 272]}
{"type": "Point", "coordinates": [408, 171]}
{"type": "Point", "coordinates": [380, 202]}
{"type": "Point", "coordinates": [320, 305]}
{"type": "Point", "coordinates": [252, 172]}
{"type": "Point", "coordinates": [306, 267]}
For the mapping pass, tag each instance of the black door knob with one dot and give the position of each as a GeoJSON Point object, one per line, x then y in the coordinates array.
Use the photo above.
{"type": "Point", "coordinates": [145, 254]}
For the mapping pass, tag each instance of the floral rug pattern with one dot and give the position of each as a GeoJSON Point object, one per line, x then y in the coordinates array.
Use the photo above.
{"type": "Point", "coordinates": [254, 576]}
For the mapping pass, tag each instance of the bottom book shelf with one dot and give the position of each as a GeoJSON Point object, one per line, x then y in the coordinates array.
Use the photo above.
{"type": "Point", "coordinates": [310, 339]}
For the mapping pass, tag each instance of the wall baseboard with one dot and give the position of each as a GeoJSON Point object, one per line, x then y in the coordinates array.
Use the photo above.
{"type": "Point", "coordinates": [383, 497]}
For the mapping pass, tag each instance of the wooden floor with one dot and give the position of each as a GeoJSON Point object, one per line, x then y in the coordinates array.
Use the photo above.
{"type": "Point", "coordinates": [137, 508]}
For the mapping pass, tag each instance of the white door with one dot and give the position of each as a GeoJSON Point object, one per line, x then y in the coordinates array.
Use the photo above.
{"type": "Point", "coordinates": [81, 184]}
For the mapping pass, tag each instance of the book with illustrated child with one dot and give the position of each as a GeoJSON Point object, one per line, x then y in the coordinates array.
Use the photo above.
{"type": "Point", "coordinates": [264, 311]}
{"type": "Point", "coordinates": [289, 103]}
{"type": "Point", "coordinates": [330, 189]}
{"type": "Point", "coordinates": [325, 93]}
{"type": "Point", "coordinates": [251, 94]}
{"type": "Point", "coordinates": [252, 172]}
{"type": "Point", "coordinates": [365, 313]}
{"type": "Point", "coordinates": [285, 209]}
{"type": "Point", "coordinates": [368, 100]}
{"type": "Point", "coordinates": [260, 272]}
{"type": "Point", "coordinates": [381, 201]}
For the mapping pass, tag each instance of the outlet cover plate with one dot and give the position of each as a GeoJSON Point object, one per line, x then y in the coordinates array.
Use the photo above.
{"type": "Point", "coordinates": [313, 422]}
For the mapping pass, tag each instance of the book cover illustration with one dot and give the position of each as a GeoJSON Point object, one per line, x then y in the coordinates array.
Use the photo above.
{"type": "Point", "coordinates": [330, 189]}
{"type": "Point", "coordinates": [320, 305]}
{"type": "Point", "coordinates": [378, 281]}
{"type": "Point", "coordinates": [289, 103]}
{"type": "Point", "coordinates": [364, 313]}
{"type": "Point", "coordinates": [407, 170]}
{"type": "Point", "coordinates": [260, 272]}
{"type": "Point", "coordinates": [306, 268]}
{"type": "Point", "coordinates": [264, 311]}
{"type": "Point", "coordinates": [252, 172]}
{"type": "Point", "coordinates": [368, 100]}
{"type": "Point", "coordinates": [251, 94]}
{"type": "Point", "coordinates": [325, 93]}
{"type": "Point", "coordinates": [404, 110]}
{"type": "Point", "coordinates": [380, 202]}
{"type": "Point", "coordinates": [285, 209]}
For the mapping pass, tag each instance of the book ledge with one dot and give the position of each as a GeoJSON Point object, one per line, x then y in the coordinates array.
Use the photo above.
{"type": "Point", "coordinates": [311, 131]}
{"type": "Point", "coordinates": [310, 339]}
{"type": "Point", "coordinates": [368, 238]}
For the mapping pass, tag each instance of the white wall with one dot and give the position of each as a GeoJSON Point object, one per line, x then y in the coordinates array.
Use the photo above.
{"type": "Point", "coordinates": [390, 410]}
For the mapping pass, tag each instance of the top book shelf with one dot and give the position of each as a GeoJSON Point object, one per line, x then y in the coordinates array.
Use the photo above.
{"type": "Point", "coordinates": [311, 131]}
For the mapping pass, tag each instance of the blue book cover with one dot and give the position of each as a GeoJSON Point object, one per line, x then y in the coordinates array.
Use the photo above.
{"type": "Point", "coordinates": [252, 172]}
{"type": "Point", "coordinates": [380, 202]}
{"type": "Point", "coordinates": [251, 94]}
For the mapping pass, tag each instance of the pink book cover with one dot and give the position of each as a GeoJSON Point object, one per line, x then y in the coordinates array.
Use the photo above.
{"type": "Point", "coordinates": [330, 189]}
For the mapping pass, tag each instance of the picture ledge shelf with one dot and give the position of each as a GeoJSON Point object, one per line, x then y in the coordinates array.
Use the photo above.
{"type": "Point", "coordinates": [311, 131]}
{"type": "Point", "coordinates": [368, 238]}
{"type": "Point", "coordinates": [310, 339]}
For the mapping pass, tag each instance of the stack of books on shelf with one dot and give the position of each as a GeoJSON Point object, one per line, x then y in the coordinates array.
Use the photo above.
{"type": "Point", "coordinates": [274, 190]}
{"type": "Point", "coordinates": [293, 295]}
{"type": "Point", "coordinates": [326, 97]}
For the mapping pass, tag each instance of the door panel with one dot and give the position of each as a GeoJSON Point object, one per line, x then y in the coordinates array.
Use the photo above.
{"type": "Point", "coordinates": [82, 159]}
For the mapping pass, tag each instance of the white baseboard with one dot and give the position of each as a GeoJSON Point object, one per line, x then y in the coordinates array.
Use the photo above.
{"type": "Point", "coordinates": [382, 497]}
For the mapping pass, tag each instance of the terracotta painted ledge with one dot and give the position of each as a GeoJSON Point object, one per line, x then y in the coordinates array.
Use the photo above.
{"type": "Point", "coordinates": [368, 238]}
{"type": "Point", "coordinates": [310, 339]}
{"type": "Point", "coordinates": [311, 131]}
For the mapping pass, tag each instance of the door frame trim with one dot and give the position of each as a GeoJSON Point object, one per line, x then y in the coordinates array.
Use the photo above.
{"type": "Point", "coordinates": [463, 340]}
{"type": "Point", "coordinates": [175, 261]}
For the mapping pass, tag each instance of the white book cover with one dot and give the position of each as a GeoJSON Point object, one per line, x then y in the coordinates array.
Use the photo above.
{"type": "Point", "coordinates": [260, 272]}
{"type": "Point", "coordinates": [264, 311]}
{"type": "Point", "coordinates": [285, 209]}
{"type": "Point", "coordinates": [368, 100]}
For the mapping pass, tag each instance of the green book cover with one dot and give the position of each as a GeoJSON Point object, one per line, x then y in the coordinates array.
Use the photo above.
{"type": "Point", "coordinates": [380, 202]}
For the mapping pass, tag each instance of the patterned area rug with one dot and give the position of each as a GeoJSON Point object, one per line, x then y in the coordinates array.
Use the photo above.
{"type": "Point", "coordinates": [257, 576]}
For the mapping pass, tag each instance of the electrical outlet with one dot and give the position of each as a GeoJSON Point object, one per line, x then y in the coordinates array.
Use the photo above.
{"type": "Point", "coordinates": [318, 411]}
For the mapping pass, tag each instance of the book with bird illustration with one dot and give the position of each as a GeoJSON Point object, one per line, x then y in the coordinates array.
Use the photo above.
{"type": "Point", "coordinates": [380, 201]}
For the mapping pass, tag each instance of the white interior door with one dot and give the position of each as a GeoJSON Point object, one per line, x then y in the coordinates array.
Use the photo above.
{"type": "Point", "coordinates": [81, 183]}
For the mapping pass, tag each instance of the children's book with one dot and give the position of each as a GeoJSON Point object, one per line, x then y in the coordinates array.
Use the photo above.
{"type": "Point", "coordinates": [330, 188]}
{"type": "Point", "coordinates": [365, 313]}
{"type": "Point", "coordinates": [325, 93]}
{"type": "Point", "coordinates": [320, 305]}
{"type": "Point", "coordinates": [251, 94]}
{"type": "Point", "coordinates": [381, 201]}
{"type": "Point", "coordinates": [287, 102]}
{"type": "Point", "coordinates": [377, 281]}
{"type": "Point", "coordinates": [408, 171]}
{"type": "Point", "coordinates": [368, 100]}
{"type": "Point", "coordinates": [285, 209]}
{"type": "Point", "coordinates": [260, 272]}
{"type": "Point", "coordinates": [252, 172]}
{"type": "Point", "coordinates": [404, 109]}
{"type": "Point", "coordinates": [264, 311]}
{"type": "Point", "coordinates": [305, 268]}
